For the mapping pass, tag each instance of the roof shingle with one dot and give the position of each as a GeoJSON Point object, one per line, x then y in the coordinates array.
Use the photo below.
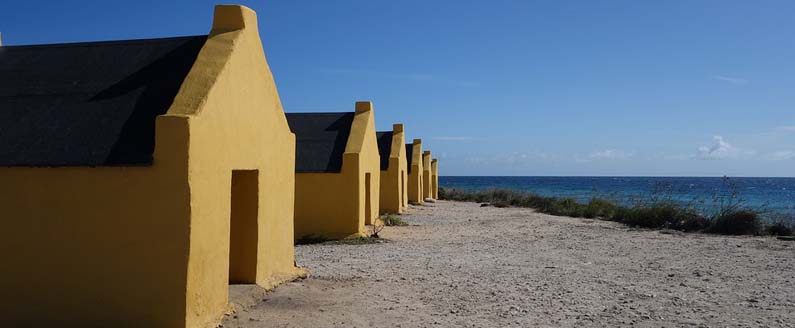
{"type": "Point", "coordinates": [384, 147]}
{"type": "Point", "coordinates": [88, 104]}
{"type": "Point", "coordinates": [320, 140]}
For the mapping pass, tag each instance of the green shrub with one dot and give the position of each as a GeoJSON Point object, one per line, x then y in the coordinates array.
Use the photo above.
{"type": "Point", "coordinates": [600, 208]}
{"type": "Point", "coordinates": [663, 215]}
{"type": "Point", "coordinates": [357, 241]}
{"type": "Point", "coordinates": [311, 239]}
{"type": "Point", "coordinates": [779, 229]}
{"type": "Point", "coordinates": [691, 221]}
{"type": "Point", "coordinates": [658, 211]}
{"type": "Point", "coordinates": [393, 221]}
{"type": "Point", "coordinates": [739, 222]}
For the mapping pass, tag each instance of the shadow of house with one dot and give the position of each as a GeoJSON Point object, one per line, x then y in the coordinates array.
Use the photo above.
{"type": "Point", "coordinates": [415, 171]}
{"type": "Point", "coordinates": [393, 170]}
{"type": "Point", "coordinates": [336, 172]}
{"type": "Point", "coordinates": [139, 178]}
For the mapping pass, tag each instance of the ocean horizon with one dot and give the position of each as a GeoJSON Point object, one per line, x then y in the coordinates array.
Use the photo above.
{"type": "Point", "coordinates": [774, 196]}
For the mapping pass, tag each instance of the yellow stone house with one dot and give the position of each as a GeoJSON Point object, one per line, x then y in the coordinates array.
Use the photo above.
{"type": "Point", "coordinates": [427, 175]}
{"type": "Point", "coordinates": [337, 172]}
{"type": "Point", "coordinates": [415, 170]}
{"type": "Point", "coordinates": [435, 179]}
{"type": "Point", "coordinates": [393, 170]}
{"type": "Point", "coordinates": [139, 178]}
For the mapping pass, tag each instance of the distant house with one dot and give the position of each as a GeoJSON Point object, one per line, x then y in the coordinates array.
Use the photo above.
{"type": "Point", "coordinates": [427, 178]}
{"type": "Point", "coordinates": [393, 170]}
{"type": "Point", "coordinates": [435, 179]}
{"type": "Point", "coordinates": [337, 172]}
{"type": "Point", "coordinates": [139, 178]}
{"type": "Point", "coordinates": [415, 170]}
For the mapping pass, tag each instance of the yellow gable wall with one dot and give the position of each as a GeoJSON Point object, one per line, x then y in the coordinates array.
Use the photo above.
{"type": "Point", "coordinates": [415, 177]}
{"type": "Point", "coordinates": [435, 179]}
{"type": "Point", "coordinates": [236, 123]}
{"type": "Point", "coordinates": [332, 205]}
{"type": "Point", "coordinates": [394, 178]}
{"type": "Point", "coordinates": [149, 246]}
{"type": "Point", "coordinates": [427, 184]}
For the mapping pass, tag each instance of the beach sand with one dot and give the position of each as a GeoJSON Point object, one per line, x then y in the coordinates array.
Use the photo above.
{"type": "Point", "coordinates": [462, 265]}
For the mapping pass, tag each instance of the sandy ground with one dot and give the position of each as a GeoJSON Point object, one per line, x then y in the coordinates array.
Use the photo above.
{"type": "Point", "coordinates": [460, 265]}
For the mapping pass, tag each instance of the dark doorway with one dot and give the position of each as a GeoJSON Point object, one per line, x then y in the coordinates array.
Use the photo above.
{"type": "Point", "coordinates": [402, 189]}
{"type": "Point", "coordinates": [367, 202]}
{"type": "Point", "coordinates": [243, 227]}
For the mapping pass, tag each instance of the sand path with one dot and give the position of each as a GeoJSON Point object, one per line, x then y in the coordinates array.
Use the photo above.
{"type": "Point", "coordinates": [460, 265]}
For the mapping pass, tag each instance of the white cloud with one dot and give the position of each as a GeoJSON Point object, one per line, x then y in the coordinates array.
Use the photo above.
{"type": "Point", "coordinates": [515, 158]}
{"type": "Point", "coordinates": [610, 154]}
{"type": "Point", "coordinates": [457, 138]}
{"type": "Point", "coordinates": [675, 157]}
{"type": "Point", "coordinates": [731, 79]}
{"type": "Point", "coordinates": [779, 131]}
{"type": "Point", "coordinates": [607, 154]}
{"type": "Point", "coordinates": [721, 149]}
{"type": "Point", "coordinates": [782, 155]}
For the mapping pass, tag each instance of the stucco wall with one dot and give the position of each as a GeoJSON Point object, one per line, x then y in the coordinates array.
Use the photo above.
{"type": "Point", "coordinates": [332, 205]}
{"type": "Point", "coordinates": [435, 179]}
{"type": "Point", "coordinates": [236, 123]}
{"type": "Point", "coordinates": [394, 178]}
{"type": "Point", "coordinates": [415, 182]}
{"type": "Point", "coordinates": [327, 205]}
{"type": "Point", "coordinates": [104, 246]}
{"type": "Point", "coordinates": [149, 246]}
{"type": "Point", "coordinates": [427, 183]}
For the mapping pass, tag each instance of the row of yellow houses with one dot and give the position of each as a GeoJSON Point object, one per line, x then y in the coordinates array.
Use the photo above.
{"type": "Point", "coordinates": [347, 173]}
{"type": "Point", "coordinates": [139, 178]}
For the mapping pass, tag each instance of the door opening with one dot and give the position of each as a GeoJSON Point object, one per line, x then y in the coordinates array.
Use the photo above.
{"type": "Point", "coordinates": [368, 214]}
{"type": "Point", "coordinates": [434, 187]}
{"type": "Point", "coordinates": [244, 227]}
{"type": "Point", "coordinates": [402, 190]}
{"type": "Point", "coordinates": [422, 189]}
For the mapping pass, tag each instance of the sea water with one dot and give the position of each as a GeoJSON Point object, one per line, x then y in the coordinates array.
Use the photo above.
{"type": "Point", "coordinates": [776, 196]}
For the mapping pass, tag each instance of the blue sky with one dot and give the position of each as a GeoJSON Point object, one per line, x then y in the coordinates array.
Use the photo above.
{"type": "Point", "coordinates": [700, 88]}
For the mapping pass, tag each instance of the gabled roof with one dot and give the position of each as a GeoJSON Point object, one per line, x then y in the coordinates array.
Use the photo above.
{"type": "Point", "coordinates": [320, 140]}
{"type": "Point", "coordinates": [88, 104]}
{"type": "Point", "coordinates": [384, 147]}
{"type": "Point", "coordinates": [409, 150]}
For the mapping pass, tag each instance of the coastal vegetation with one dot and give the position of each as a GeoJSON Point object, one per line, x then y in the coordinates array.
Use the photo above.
{"type": "Point", "coordinates": [393, 221]}
{"type": "Point", "coordinates": [659, 210]}
{"type": "Point", "coordinates": [362, 240]}
{"type": "Point", "coordinates": [372, 236]}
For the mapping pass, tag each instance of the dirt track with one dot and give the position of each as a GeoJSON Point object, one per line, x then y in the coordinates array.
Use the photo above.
{"type": "Point", "coordinates": [460, 265]}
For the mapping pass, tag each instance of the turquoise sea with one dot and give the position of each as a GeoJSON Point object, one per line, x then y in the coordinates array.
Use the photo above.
{"type": "Point", "coordinates": [776, 196]}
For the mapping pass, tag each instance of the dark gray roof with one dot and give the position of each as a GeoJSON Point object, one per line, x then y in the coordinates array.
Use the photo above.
{"type": "Point", "coordinates": [409, 151]}
{"type": "Point", "coordinates": [320, 140]}
{"type": "Point", "coordinates": [88, 104]}
{"type": "Point", "coordinates": [384, 147]}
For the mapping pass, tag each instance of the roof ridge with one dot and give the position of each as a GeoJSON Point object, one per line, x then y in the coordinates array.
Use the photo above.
{"type": "Point", "coordinates": [318, 113]}
{"type": "Point", "coordinates": [104, 42]}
